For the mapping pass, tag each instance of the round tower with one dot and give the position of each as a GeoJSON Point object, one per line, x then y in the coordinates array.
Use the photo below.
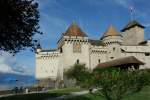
{"type": "Point", "coordinates": [112, 41]}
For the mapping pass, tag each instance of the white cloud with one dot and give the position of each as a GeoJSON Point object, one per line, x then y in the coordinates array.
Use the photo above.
{"type": "Point", "coordinates": [50, 3]}
{"type": "Point", "coordinates": [4, 68]}
{"type": "Point", "coordinates": [147, 24]}
{"type": "Point", "coordinates": [8, 64]}
{"type": "Point", "coordinates": [123, 3]}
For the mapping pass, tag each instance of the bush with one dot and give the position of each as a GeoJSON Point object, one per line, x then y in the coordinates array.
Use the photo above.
{"type": "Point", "coordinates": [81, 74]}
{"type": "Point", "coordinates": [117, 83]}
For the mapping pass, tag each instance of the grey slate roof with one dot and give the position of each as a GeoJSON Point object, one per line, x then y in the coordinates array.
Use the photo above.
{"type": "Point", "coordinates": [96, 42]}
{"type": "Point", "coordinates": [49, 50]}
{"type": "Point", "coordinates": [132, 24]}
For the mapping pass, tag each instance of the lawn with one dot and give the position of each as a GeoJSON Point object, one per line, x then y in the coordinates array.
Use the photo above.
{"type": "Point", "coordinates": [42, 96]}
{"type": "Point", "coordinates": [65, 90]}
{"type": "Point", "coordinates": [143, 95]}
{"type": "Point", "coordinates": [35, 96]}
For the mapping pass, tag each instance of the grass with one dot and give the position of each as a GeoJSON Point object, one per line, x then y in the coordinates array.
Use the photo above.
{"type": "Point", "coordinates": [35, 96]}
{"type": "Point", "coordinates": [65, 90]}
{"type": "Point", "coordinates": [86, 97]}
{"type": "Point", "coordinates": [143, 95]}
{"type": "Point", "coordinates": [42, 96]}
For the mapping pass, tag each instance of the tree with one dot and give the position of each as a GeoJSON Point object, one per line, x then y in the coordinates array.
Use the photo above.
{"type": "Point", "coordinates": [115, 84]}
{"type": "Point", "coordinates": [112, 83]}
{"type": "Point", "coordinates": [18, 24]}
{"type": "Point", "coordinates": [81, 74]}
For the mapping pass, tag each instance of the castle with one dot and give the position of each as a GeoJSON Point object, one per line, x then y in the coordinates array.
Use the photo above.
{"type": "Point", "coordinates": [75, 46]}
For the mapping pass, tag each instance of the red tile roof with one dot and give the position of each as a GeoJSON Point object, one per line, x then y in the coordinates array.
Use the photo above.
{"type": "Point", "coordinates": [74, 30]}
{"type": "Point", "coordinates": [111, 32]}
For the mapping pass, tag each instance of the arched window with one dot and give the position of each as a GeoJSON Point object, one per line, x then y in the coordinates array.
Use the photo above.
{"type": "Point", "coordinates": [78, 61]}
{"type": "Point", "coordinates": [99, 61]}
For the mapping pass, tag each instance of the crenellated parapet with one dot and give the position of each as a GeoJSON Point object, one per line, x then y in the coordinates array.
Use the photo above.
{"type": "Point", "coordinates": [98, 51]}
{"type": "Point", "coordinates": [112, 40]}
{"type": "Point", "coordinates": [72, 39]}
{"type": "Point", "coordinates": [48, 54]}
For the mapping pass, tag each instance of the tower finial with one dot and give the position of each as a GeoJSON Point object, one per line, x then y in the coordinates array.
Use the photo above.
{"type": "Point", "coordinates": [74, 22]}
{"type": "Point", "coordinates": [132, 11]}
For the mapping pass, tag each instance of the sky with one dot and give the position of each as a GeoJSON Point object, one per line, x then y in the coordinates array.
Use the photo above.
{"type": "Point", "coordinates": [93, 16]}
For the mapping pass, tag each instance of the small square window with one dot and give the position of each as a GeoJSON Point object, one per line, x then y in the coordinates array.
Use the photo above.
{"type": "Point", "coordinates": [114, 48]}
{"type": "Point", "coordinates": [112, 57]}
{"type": "Point", "coordinates": [147, 54]}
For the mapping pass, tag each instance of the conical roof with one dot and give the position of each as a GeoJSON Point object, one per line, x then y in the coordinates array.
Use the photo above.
{"type": "Point", "coordinates": [74, 30]}
{"type": "Point", "coordinates": [132, 24]}
{"type": "Point", "coordinates": [111, 32]}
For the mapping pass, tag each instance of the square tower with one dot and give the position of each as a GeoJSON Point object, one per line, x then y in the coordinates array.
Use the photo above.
{"type": "Point", "coordinates": [133, 33]}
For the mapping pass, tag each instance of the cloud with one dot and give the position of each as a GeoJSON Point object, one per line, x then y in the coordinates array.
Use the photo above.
{"type": "Point", "coordinates": [8, 64]}
{"type": "Point", "coordinates": [147, 24]}
{"type": "Point", "coordinates": [51, 3]}
{"type": "Point", "coordinates": [123, 3]}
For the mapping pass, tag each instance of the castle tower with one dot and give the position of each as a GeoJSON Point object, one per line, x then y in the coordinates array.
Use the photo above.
{"type": "Point", "coordinates": [112, 41]}
{"type": "Point", "coordinates": [74, 47]}
{"type": "Point", "coordinates": [133, 33]}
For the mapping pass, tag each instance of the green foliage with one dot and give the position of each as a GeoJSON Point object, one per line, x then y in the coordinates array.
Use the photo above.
{"type": "Point", "coordinates": [142, 95]}
{"type": "Point", "coordinates": [81, 74]}
{"type": "Point", "coordinates": [113, 83]}
{"type": "Point", "coordinates": [18, 24]}
{"type": "Point", "coordinates": [116, 83]}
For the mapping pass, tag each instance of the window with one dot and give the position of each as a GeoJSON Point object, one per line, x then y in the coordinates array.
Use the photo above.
{"type": "Point", "coordinates": [147, 54]}
{"type": "Point", "coordinates": [99, 61]}
{"type": "Point", "coordinates": [114, 48]}
{"type": "Point", "coordinates": [61, 50]}
{"type": "Point", "coordinates": [77, 48]}
{"type": "Point", "coordinates": [112, 57]}
{"type": "Point", "coordinates": [77, 61]}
